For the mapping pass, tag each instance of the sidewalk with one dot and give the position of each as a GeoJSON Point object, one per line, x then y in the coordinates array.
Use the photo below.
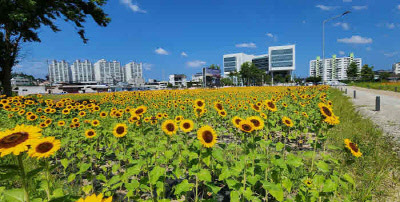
{"type": "Point", "coordinates": [388, 118]}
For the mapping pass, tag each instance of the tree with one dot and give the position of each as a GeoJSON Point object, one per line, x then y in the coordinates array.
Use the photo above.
{"type": "Point", "coordinates": [367, 74]}
{"type": "Point", "coordinates": [314, 80]}
{"type": "Point", "coordinates": [352, 71]}
{"type": "Point", "coordinates": [251, 75]}
{"type": "Point", "coordinates": [20, 21]}
{"type": "Point", "coordinates": [384, 76]}
{"type": "Point", "coordinates": [213, 66]}
{"type": "Point", "coordinates": [226, 82]}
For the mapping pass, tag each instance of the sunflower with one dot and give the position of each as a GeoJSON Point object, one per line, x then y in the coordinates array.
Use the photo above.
{"type": "Point", "coordinates": [304, 114]}
{"type": "Point", "coordinates": [270, 105]}
{"type": "Point", "coordinates": [287, 121]}
{"type": "Point", "coordinates": [325, 110]}
{"type": "Point", "coordinates": [44, 147]}
{"type": "Point", "coordinates": [257, 122]}
{"type": "Point", "coordinates": [43, 125]}
{"type": "Point", "coordinates": [169, 127]}
{"type": "Point", "coordinates": [263, 115]}
{"type": "Point", "coordinates": [256, 107]}
{"type": "Point", "coordinates": [65, 111]}
{"type": "Point", "coordinates": [17, 139]}
{"type": "Point", "coordinates": [308, 182]}
{"type": "Point", "coordinates": [178, 119]}
{"type": "Point", "coordinates": [222, 113]}
{"type": "Point", "coordinates": [82, 113]}
{"type": "Point", "coordinates": [32, 117]}
{"type": "Point", "coordinates": [353, 148]}
{"type": "Point", "coordinates": [61, 123]}
{"type": "Point", "coordinates": [199, 111]}
{"type": "Point", "coordinates": [140, 110]}
{"type": "Point", "coordinates": [236, 121]}
{"type": "Point", "coordinates": [284, 105]}
{"type": "Point", "coordinates": [103, 114]}
{"type": "Point", "coordinates": [48, 121]}
{"type": "Point", "coordinates": [95, 123]}
{"type": "Point", "coordinates": [75, 120]}
{"type": "Point", "coordinates": [207, 136]}
{"type": "Point", "coordinates": [186, 125]}
{"type": "Point", "coordinates": [246, 126]}
{"type": "Point", "coordinates": [94, 198]}
{"type": "Point", "coordinates": [120, 130]}
{"type": "Point", "coordinates": [200, 103]}
{"type": "Point", "coordinates": [90, 133]}
{"type": "Point", "coordinates": [218, 106]}
{"type": "Point", "coordinates": [333, 120]}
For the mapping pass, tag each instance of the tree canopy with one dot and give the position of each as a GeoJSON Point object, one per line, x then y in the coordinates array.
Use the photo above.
{"type": "Point", "coordinates": [352, 71]}
{"type": "Point", "coordinates": [367, 74]}
{"type": "Point", "coordinates": [21, 20]}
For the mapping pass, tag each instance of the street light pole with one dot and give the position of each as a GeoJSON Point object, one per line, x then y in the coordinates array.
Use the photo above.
{"type": "Point", "coordinates": [323, 32]}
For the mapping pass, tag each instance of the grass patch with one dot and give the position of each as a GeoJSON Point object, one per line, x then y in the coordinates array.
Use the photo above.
{"type": "Point", "coordinates": [378, 86]}
{"type": "Point", "coordinates": [377, 172]}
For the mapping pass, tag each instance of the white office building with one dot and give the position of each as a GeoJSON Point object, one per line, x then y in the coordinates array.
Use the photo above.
{"type": "Point", "coordinates": [396, 68]}
{"type": "Point", "coordinates": [133, 74]}
{"type": "Point", "coordinates": [178, 80]}
{"type": "Point", "coordinates": [82, 72]}
{"type": "Point", "coordinates": [333, 69]}
{"type": "Point", "coordinates": [280, 60]}
{"type": "Point", "coordinates": [108, 72]}
{"type": "Point", "coordinates": [59, 72]}
{"type": "Point", "coordinates": [198, 77]}
{"type": "Point", "coordinates": [21, 81]}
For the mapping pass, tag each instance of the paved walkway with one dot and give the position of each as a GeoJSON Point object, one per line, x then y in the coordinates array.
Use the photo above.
{"type": "Point", "coordinates": [388, 118]}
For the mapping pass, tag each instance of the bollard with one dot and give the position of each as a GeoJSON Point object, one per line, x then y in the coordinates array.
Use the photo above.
{"type": "Point", "coordinates": [395, 89]}
{"type": "Point", "coordinates": [345, 91]}
{"type": "Point", "coordinates": [378, 103]}
{"type": "Point", "coordinates": [354, 94]}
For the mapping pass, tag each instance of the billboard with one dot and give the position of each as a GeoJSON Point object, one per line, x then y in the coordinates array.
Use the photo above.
{"type": "Point", "coordinates": [211, 77]}
{"type": "Point", "coordinates": [211, 72]}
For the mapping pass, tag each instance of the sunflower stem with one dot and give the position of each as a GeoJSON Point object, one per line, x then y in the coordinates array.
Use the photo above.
{"type": "Point", "coordinates": [23, 176]}
{"type": "Point", "coordinates": [48, 179]}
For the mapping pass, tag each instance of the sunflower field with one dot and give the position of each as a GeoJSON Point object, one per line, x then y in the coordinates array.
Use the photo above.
{"type": "Point", "coordinates": [231, 144]}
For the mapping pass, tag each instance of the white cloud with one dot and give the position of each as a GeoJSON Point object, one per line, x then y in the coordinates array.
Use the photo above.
{"type": "Point", "coordinates": [147, 66]}
{"type": "Point", "coordinates": [344, 25]}
{"type": "Point", "coordinates": [360, 7]}
{"type": "Point", "coordinates": [246, 45]}
{"type": "Point", "coordinates": [368, 49]}
{"type": "Point", "coordinates": [398, 7]}
{"type": "Point", "coordinates": [184, 54]}
{"type": "Point", "coordinates": [161, 51]}
{"type": "Point", "coordinates": [390, 54]}
{"type": "Point", "coordinates": [270, 35]}
{"type": "Point", "coordinates": [304, 22]}
{"type": "Point", "coordinates": [390, 25]}
{"type": "Point", "coordinates": [326, 8]}
{"type": "Point", "coordinates": [135, 8]}
{"type": "Point", "coordinates": [347, 1]}
{"type": "Point", "coordinates": [341, 53]}
{"type": "Point", "coordinates": [355, 40]}
{"type": "Point", "coordinates": [195, 63]}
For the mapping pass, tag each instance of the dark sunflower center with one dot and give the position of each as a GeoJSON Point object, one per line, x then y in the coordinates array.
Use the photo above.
{"type": "Point", "coordinates": [353, 147]}
{"type": "Point", "coordinates": [186, 125]}
{"type": "Point", "coordinates": [237, 121]}
{"type": "Point", "coordinates": [120, 130]}
{"type": "Point", "coordinates": [139, 111]}
{"type": "Point", "coordinates": [271, 105]}
{"type": "Point", "coordinates": [48, 121]}
{"type": "Point", "coordinates": [170, 127]}
{"type": "Point", "coordinates": [13, 140]}
{"type": "Point", "coordinates": [199, 103]}
{"type": "Point", "coordinates": [219, 106]}
{"type": "Point", "coordinates": [308, 182]}
{"type": "Point", "coordinates": [90, 133]}
{"type": "Point", "coordinates": [207, 136]}
{"type": "Point", "coordinates": [33, 117]}
{"type": "Point", "coordinates": [222, 113]}
{"type": "Point", "coordinates": [246, 127]}
{"type": "Point", "coordinates": [255, 122]}
{"type": "Point", "coordinates": [256, 107]}
{"type": "Point", "coordinates": [44, 147]}
{"type": "Point", "coordinates": [287, 122]}
{"type": "Point", "coordinates": [327, 111]}
{"type": "Point", "coordinates": [199, 110]}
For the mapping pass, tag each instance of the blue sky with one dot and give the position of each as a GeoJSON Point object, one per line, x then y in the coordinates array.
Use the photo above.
{"type": "Point", "coordinates": [181, 36]}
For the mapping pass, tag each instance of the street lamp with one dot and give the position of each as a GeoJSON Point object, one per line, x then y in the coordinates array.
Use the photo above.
{"type": "Point", "coordinates": [323, 32]}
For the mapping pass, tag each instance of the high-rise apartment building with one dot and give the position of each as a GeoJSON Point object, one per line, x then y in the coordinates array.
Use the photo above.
{"type": "Point", "coordinates": [333, 69]}
{"type": "Point", "coordinates": [82, 72]}
{"type": "Point", "coordinates": [133, 74]}
{"type": "Point", "coordinates": [396, 68]}
{"type": "Point", "coordinates": [108, 72]}
{"type": "Point", "coordinates": [59, 72]}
